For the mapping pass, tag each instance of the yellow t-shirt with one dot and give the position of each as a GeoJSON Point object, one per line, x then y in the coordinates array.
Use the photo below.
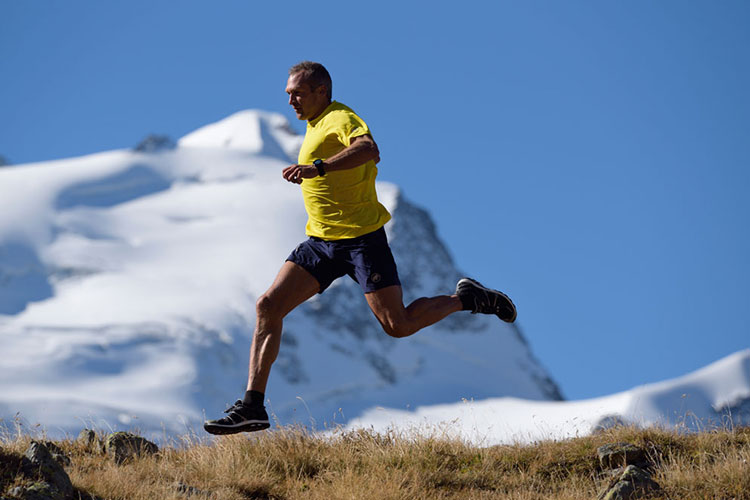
{"type": "Point", "coordinates": [340, 204]}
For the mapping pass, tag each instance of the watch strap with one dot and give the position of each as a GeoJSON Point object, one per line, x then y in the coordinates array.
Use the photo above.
{"type": "Point", "coordinates": [319, 165]}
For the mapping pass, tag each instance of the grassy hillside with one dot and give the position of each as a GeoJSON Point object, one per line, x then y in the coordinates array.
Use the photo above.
{"type": "Point", "coordinates": [292, 464]}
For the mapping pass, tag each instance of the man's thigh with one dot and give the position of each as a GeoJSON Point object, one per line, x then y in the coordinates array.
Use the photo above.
{"type": "Point", "coordinates": [387, 304]}
{"type": "Point", "coordinates": [293, 285]}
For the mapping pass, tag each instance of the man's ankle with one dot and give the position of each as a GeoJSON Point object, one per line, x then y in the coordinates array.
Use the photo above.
{"type": "Point", "coordinates": [254, 398]}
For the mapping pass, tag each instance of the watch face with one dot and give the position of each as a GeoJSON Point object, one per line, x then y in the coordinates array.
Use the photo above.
{"type": "Point", "coordinates": [317, 162]}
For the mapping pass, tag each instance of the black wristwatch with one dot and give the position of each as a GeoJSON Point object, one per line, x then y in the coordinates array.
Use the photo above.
{"type": "Point", "coordinates": [319, 165]}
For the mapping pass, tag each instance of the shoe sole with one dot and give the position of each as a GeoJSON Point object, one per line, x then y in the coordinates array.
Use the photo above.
{"type": "Point", "coordinates": [479, 285]}
{"type": "Point", "coordinates": [236, 429]}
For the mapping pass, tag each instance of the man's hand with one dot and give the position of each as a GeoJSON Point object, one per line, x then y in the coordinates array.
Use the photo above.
{"type": "Point", "coordinates": [295, 173]}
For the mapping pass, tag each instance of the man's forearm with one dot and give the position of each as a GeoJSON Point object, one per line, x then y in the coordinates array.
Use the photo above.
{"type": "Point", "coordinates": [362, 150]}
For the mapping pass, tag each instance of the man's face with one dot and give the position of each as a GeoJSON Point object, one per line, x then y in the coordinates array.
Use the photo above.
{"type": "Point", "coordinates": [307, 102]}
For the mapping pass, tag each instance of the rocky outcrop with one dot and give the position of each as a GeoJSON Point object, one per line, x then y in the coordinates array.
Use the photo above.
{"type": "Point", "coordinates": [51, 480]}
{"type": "Point", "coordinates": [154, 143]}
{"type": "Point", "coordinates": [616, 455]}
{"type": "Point", "coordinates": [634, 482]}
{"type": "Point", "coordinates": [89, 440]}
{"type": "Point", "coordinates": [43, 465]}
{"type": "Point", "coordinates": [629, 467]}
{"type": "Point", "coordinates": [123, 446]}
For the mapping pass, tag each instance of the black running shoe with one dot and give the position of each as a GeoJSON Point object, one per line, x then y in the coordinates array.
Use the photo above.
{"type": "Point", "coordinates": [240, 418]}
{"type": "Point", "coordinates": [476, 298]}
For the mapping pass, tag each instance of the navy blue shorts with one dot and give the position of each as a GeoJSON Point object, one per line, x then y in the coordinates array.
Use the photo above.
{"type": "Point", "coordinates": [367, 259]}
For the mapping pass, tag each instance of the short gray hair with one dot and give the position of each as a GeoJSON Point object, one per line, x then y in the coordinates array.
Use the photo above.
{"type": "Point", "coordinates": [315, 74]}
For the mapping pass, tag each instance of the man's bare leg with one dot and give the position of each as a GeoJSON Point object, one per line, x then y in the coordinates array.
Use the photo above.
{"type": "Point", "coordinates": [292, 286]}
{"type": "Point", "coordinates": [398, 321]}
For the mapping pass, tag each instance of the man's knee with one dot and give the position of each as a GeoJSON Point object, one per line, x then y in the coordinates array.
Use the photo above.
{"type": "Point", "coordinates": [266, 307]}
{"type": "Point", "coordinates": [397, 329]}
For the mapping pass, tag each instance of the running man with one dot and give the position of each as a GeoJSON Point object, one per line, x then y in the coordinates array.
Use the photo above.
{"type": "Point", "coordinates": [336, 172]}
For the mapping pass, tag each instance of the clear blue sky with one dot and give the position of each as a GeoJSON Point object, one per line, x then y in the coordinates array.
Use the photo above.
{"type": "Point", "coordinates": [590, 158]}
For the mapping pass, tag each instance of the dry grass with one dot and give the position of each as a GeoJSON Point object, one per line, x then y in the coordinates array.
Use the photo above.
{"type": "Point", "coordinates": [293, 464]}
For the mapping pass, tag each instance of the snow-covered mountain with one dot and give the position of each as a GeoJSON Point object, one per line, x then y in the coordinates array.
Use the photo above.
{"type": "Point", "coordinates": [128, 281]}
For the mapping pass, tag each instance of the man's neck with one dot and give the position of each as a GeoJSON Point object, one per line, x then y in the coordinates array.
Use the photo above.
{"type": "Point", "coordinates": [319, 112]}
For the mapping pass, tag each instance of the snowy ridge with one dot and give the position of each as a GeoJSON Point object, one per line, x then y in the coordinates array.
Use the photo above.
{"type": "Point", "coordinates": [715, 396]}
{"type": "Point", "coordinates": [252, 130]}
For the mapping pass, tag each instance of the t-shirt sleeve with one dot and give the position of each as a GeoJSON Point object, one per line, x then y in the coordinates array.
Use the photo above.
{"type": "Point", "coordinates": [351, 126]}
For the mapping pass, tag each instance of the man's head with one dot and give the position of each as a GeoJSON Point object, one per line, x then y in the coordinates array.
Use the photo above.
{"type": "Point", "coordinates": [309, 87]}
